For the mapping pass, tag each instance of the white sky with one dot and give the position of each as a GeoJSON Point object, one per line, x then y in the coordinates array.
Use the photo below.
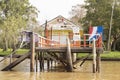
{"type": "Point", "coordinates": [50, 9]}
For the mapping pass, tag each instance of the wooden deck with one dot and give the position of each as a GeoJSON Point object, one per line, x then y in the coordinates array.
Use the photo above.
{"type": "Point", "coordinates": [51, 49]}
{"type": "Point", "coordinates": [63, 49]}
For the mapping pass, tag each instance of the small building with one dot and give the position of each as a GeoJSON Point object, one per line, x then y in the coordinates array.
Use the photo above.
{"type": "Point", "coordinates": [60, 28]}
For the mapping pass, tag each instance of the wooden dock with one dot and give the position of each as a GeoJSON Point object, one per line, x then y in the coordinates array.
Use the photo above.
{"type": "Point", "coordinates": [49, 50]}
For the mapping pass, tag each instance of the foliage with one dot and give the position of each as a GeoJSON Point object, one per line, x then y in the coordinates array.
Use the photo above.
{"type": "Point", "coordinates": [77, 13]}
{"type": "Point", "coordinates": [98, 12]}
{"type": "Point", "coordinates": [14, 17]}
{"type": "Point", "coordinates": [19, 51]}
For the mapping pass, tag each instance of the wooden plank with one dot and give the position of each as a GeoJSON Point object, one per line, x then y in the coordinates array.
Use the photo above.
{"type": "Point", "coordinates": [19, 60]}
{"type": "Point", "coordinates": [63, 49]}
{"type": "Point", "coordinates": [78, 61]}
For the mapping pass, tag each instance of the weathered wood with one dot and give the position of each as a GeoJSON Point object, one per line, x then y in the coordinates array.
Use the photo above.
{"type": "Point", "coordinates": [48, 64]}
{"type": "Point", "coordinates": [32, 58]}
{"type": "Point", "coordinates": [74, 57]}
{"type": "Point", "coordinates": [94, 56]}
{"type": "Point", "coordinates": [43, 61]}
{"type": "Point", "coordinates": [40, 60]}
{"type": "Point", "coordinates": [10, 58]}
{"type": "Point", "coordinates": [36, 62]}
{"type": "Point", "coordinates": [78, 61]}
{"type": "Point", "coordinates": [51, 62]}
{"type": "Point", "coordinates": [19, 60]}
{"type": "Point", "coordinates": [84, 60]}
{"type": "Point", "coordinates": [63, 49]}
{"type": "Point", "coordinates": [69, 57]}
{"type": "Point", "coordinates": [98, 63]}
{"type": "Point", "coordinates": [52, 57]}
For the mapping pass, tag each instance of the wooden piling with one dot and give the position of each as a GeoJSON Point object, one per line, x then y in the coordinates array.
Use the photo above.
{"type": "Point", "coordinates": [36, 62]}
{"type": "Point", "coordinates": [94, 56]}
{"type": "Point", "coordinates": [43, 61]}
{"type": "Point", "coordinates": [48, 64]}
{"type": "Point", "coordinates": [51, 62]}
{"type": "Point", "coordinates": [74, 57]}
{"type": "Point", "coordinates": [32, 58]}
{"type": "Point", "coordinates": [40, 60]}
{"type": "Point", "coordinates": [69, 57]}
{"type": "Point", "coordinates": [98, 63]}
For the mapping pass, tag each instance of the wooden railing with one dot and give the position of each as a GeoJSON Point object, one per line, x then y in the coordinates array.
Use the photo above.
{"type": "Point", "coordinates": [84, 42]}
{"type": "Point", "coordinates": [44, 42]}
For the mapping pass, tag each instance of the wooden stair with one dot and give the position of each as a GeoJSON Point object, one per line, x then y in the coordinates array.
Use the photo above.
{"type": "Point", "coordinates": [16, 62]}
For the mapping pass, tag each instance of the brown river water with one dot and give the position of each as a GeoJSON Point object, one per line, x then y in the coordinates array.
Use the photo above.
{"type": "Point", "coordinates": [110, 70]}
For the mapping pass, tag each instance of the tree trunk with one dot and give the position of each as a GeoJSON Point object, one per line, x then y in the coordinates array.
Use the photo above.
{"type": "Point", "coordinates": [113, 47]}
{"type": "Point", "coordinates": [14, 45]}
{"type": "Point", "coordinates": [108, 46]}
{"type": "Point", "coordinates": [5, 46]}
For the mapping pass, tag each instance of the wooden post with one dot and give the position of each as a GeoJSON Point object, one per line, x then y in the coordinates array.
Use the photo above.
{"type": "Point", "coordinates": [48, 64]}
{"type": "Point", "coordinates": [94, 56]}
{"type": "Point", "coordinates": [39, 57]}
{"type": "Point", "coordinates": [40, 61]}
{"type": "Point", "coordinates": [84, 41]}
{"type": "Point", "coordinates": [32, 58]}
{"type": "Point", "coordinates": [98, 62]}
{"type": "Point", "coordinates": [10, 58]}
{"type": "Point", "coordinates": [74, 57]}
{"type": "Point", "coordinates": [36, 62]}
{"type": "Point", "coordinates": [43, 61]}
{"type": "Point", "coordinates": [51, 62]}
{"type": "Point", "coordinates": [69, 57]}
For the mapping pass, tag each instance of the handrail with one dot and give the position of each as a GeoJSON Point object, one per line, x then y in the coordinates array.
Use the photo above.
{"type": "Point", "coordinates": [84, 42]}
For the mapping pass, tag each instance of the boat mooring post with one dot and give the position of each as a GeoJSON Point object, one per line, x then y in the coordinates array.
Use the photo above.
{"type": "Point", "coordinates": [98, 62]}
{"type": "Point", "coordinates": [94, 56]}
{"type": "Point", "coordinates": [69, 57]}
{"type": "Point", "coordinates": [32, 56]}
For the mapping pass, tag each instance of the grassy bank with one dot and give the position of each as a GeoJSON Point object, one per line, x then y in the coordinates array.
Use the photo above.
{"type": "Point", "coordinates": [19, 51]}
{"type": "Point", "coordinates": [110, 55]}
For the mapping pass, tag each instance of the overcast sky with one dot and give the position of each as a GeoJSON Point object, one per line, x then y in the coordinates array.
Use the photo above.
{"type": "Point", "coordinates": [50, 9]}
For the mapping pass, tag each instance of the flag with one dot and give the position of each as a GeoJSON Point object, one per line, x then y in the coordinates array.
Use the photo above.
{"type": "Point", "coordinates": [95, 30]}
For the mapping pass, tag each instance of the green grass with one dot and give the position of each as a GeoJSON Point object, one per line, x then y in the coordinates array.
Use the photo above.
{"type": "Point", "coordinates": [110, 55]}
{"type": "Point", "coordinates": [19, 51]}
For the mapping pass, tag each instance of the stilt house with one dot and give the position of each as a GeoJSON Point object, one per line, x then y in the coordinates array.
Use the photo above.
{"type": "Point", "coordinates": [60, 28]}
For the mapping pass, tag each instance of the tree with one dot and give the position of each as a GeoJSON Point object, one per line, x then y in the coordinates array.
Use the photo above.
{"type": "Point", "coordinates": [98, 12]}
{"type": "Point", "coordinates": [77, 13]}
{"type": "Point", "coordinates": [14, 16]}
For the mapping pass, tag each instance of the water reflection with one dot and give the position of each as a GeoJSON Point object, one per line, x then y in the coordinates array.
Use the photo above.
{"type": "Point", "coordinates": [109, 71]}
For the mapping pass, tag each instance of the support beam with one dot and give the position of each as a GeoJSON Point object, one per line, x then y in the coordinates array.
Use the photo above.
{"type": "Point", "coordinates": [74, 57]}
{"type": "Point", "coordinates": [36, 62]}
{"type": "Point", "coordinates": [82, 59]}
{"type": "Point", "coordinates": [69, 57]}
{"type": "Point", "coordinates": [94, 56]}
{"type": "Point", "coordinates": [98, 63]}
{"type": "Point", "coordinates": [32, 57]}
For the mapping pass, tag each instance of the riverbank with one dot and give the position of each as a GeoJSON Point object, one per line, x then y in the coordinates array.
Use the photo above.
{"type": "Point", "coordinates": [9, 51]}
{"type": "Point", "coordinates": [109, 56]}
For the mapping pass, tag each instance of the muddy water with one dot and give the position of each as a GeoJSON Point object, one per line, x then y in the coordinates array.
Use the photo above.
{"type": "Point", "coordinates": [110, 70]}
